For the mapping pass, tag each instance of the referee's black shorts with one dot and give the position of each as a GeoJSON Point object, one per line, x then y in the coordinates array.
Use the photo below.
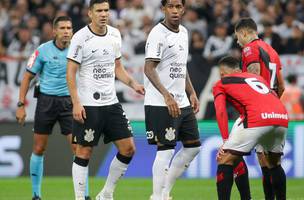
{"type": "Point", "coordinates": [49, 110]}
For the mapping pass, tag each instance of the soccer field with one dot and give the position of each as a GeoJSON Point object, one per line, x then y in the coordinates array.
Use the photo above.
{"type": "Point", "coordinates": [60, 188]}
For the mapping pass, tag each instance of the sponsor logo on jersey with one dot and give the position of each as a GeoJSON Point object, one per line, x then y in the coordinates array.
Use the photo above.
{"type": "Point", "coordinates": [159, 48]}
{"type": "Point", "coordinates": [170, 134]}
{"type": "Point", "coordinates": [101, 71]}
{"type": "Point", "coordinates": [274, 115]}
{"type": "Point", "coordinates": [89, 135]}
{"type": "Point", "coordinates": [247, 51]}
{"type": "Point", "coordinates": [78, 48]}
{"type": "Point", "coordinates": [176, 70]}
{"type": "Point", "coordinates": [32, 59]}
{"type": "Point", "coordinates": [88, 38]}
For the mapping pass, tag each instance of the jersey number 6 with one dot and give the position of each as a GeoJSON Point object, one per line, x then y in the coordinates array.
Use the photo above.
{"type": "Point", "coordinates": [257, 85]}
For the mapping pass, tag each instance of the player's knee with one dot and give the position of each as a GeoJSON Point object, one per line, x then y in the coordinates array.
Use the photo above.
{"type": "Point", "coordinates": [262, 159]}
{"type": "Point", "coordinates": [273, 160]}
{"type": "Point", "coordinates": [83, 152]}
{"type": "Point", "coordinates": [128, 151]}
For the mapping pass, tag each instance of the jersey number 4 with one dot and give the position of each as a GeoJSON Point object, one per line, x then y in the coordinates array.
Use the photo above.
{"type": "Point", "coordinates": [257, 85]}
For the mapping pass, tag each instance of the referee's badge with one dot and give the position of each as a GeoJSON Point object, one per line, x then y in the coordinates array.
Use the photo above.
{"type": "Point", "coordinates": [89, 135]}
{"type": "Point", "coordinates": [170, 134]}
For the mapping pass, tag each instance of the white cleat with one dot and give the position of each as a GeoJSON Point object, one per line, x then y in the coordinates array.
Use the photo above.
{"type": "Point", "coordinates": [104, 196]}
{"type": "Point", "coordinates": [170, 198]}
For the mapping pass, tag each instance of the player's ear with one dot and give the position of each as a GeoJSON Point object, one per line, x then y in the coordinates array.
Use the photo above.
{"type": "Point", "coordinates": [90, 13]}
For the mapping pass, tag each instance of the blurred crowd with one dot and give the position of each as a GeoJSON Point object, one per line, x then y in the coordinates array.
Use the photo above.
{"type": "Point", "coordinates": [25, 24]}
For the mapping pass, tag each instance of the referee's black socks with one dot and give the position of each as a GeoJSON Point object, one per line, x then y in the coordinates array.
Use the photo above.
{"type": "Point", "coordinates": [224, 181]}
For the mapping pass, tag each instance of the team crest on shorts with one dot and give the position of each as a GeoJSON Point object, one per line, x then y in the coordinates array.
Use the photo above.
{"type": "Point", "coordinates": [170, 134]}
{"type": "Point", "coordinates": [150, 134]}
{"type": "Point", "coordinates": [89, 135]}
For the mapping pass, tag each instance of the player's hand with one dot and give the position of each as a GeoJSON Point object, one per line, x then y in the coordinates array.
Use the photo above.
{"type": "Point", "coordinates": [220, 153]}
{"type": "Point", "coordinates": [138, 88]}
{"type": "Point", "coordinates": [194, 103]}
{"type": "Point", "coordinates": [173, 108]}
{"type": "Point", "coordinates": [79, 113]}
{"type": "Point", "coordinates": [20, 115]}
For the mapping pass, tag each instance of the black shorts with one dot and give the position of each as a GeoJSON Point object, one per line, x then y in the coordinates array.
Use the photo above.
{"type": "Point", "coordinates": [49, 110]}
{"type": "Point", "coordinates": [162, 128]}
{"type": "Point", "coordinates": [110, 122]}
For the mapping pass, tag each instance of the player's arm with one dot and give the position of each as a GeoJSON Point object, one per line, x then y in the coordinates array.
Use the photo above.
{"type": "Point", "coordinates": [281, 85]}
{"type": "Point", "coordinates": [150, 72]}
{"type": "Point", "coordinates": [78, 110]}
{"type": "Point", "coordinates": [254, 68]}
{"type": "Point", "coordinates": [221, 112]}
{"type": "Point", "coordinates": [122, 75]}
{"type": "Point", "coordinates": [24, 87]}
{"type": "Point", "coordinates": [192, 94]}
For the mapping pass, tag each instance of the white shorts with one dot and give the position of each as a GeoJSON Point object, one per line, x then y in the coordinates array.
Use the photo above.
{"type": "Point", "coordinates": [268, 139]}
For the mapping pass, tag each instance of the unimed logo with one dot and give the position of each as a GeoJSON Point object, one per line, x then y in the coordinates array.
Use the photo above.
{"type": "Point", "coordinates": [11, 164]}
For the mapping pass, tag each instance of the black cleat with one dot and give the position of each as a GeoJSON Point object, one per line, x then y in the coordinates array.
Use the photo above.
{"type": "Point", "coordinates": [36, 198]}
{"type": "Point", "coordinates": [87, 198]}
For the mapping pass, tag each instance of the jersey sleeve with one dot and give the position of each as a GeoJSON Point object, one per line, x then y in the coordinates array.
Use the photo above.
{"type": "Point", "coordinates": [34, 64]}
{"type": "Point", "coordinates": [118, 46]}
{"type": "Point", "coordinates": [154, 46]}
{"type": "Point", "coordinates": [250, 54]}
{"type": "Point", "coordinates": [75, 51]}
{"type": "Point", "coordinates": [220, 108]}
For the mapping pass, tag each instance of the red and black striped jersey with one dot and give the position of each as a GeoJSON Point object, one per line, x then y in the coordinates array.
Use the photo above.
{"type": "Point", "coordinates": [259, 51]}
{"type": "Point", "coordinates": [251, 97]}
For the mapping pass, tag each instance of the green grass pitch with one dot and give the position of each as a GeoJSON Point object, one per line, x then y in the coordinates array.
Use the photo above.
{"type": "Point", "coordinates": [60, 188]}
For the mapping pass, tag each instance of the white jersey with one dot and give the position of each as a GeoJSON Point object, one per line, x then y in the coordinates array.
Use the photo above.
{"type": "Point", "coordinates": [171, 50]}
{"type": "Point", "coordinates": [96, 55]}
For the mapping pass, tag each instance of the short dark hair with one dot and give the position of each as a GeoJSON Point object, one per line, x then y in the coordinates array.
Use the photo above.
{"type": "Point", "coordinates": [164, 2]}
{"type": "Point", "coordinates": [230, 62]}
{"type": "Point", "coordinates": [60, 19]}
{"type": "Point", "coordinates": [92, 2]}
{"type": "Point", "coordinates": [248, 23]}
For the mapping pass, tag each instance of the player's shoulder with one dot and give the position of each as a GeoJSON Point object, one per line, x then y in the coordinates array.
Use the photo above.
{"type": "Point", "coordinates": [158, 29]}
{"type": "Point", "coordinates": [81, 33]}
{"type": "Point", "coordinates": [183, 29]}
{"type": "Point", "coordinates": [112, 31]}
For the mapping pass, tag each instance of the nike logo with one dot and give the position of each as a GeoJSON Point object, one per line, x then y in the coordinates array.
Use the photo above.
{"type": "Point", "coordinates": [34, 174]}
{"type": "Point", "coordinates": [93, 51]}
{"type": "Point", "coordinates": [171, 45]}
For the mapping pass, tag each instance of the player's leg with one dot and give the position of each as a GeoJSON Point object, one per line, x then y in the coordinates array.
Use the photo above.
{"type": "Point", "coordinates": [241, 178]}
{"type": "Point", "coordinates": [80, 170]}
{"type": "Point", "coordinates": [266, 180]}
{"type": "Point", "coordinates": [189, 135]}
{"type": "Point", "coordinates": [43, 125]}
{"type": "Point", "coordinates": [160, 131]}
{"type": "Point", "coordinates": [224, 175]}
{"type": "Point", "coordinates": [86, 136]}
{"type": "Point", "coordinates": [273, 146]}
{"type": "Point", "coordinates": [241, 141]}
{"type": "Point", "coordinates": [117, 130]}
{"type": "Point", "coordinates": [65, 121]}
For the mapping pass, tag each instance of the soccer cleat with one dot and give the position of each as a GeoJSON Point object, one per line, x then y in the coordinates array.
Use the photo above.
{"type": "Point", "coordinates": [104, 196]}
{"type": "Point", "coordinates": [88, 198]}
{"type": "Point", "coordinates": [170, 198]}
{"type": "Point", "coordinates": [36, 198]}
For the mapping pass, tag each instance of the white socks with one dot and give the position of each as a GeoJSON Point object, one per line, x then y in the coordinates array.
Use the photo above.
{"type": "Point", "coordinates": [159, 171]}
{"type": "Point", "coordinates": [116, 171]}
{"type": "Point", "coordinates": [79, 174]}
{"type": "Point", "coordinates": [179, 164]}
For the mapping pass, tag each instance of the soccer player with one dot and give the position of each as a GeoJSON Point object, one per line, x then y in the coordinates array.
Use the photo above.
{"type": "Point", "coordinates": [169, 116]}
{"type": "Point", "coordinates": [95, 53]}
{"type": "Point", "coordinates": [260, 58]}
{"type": "Point", "coordinates": [54, 103]}
{"type": "Point", "coordinates": [263, 120]}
